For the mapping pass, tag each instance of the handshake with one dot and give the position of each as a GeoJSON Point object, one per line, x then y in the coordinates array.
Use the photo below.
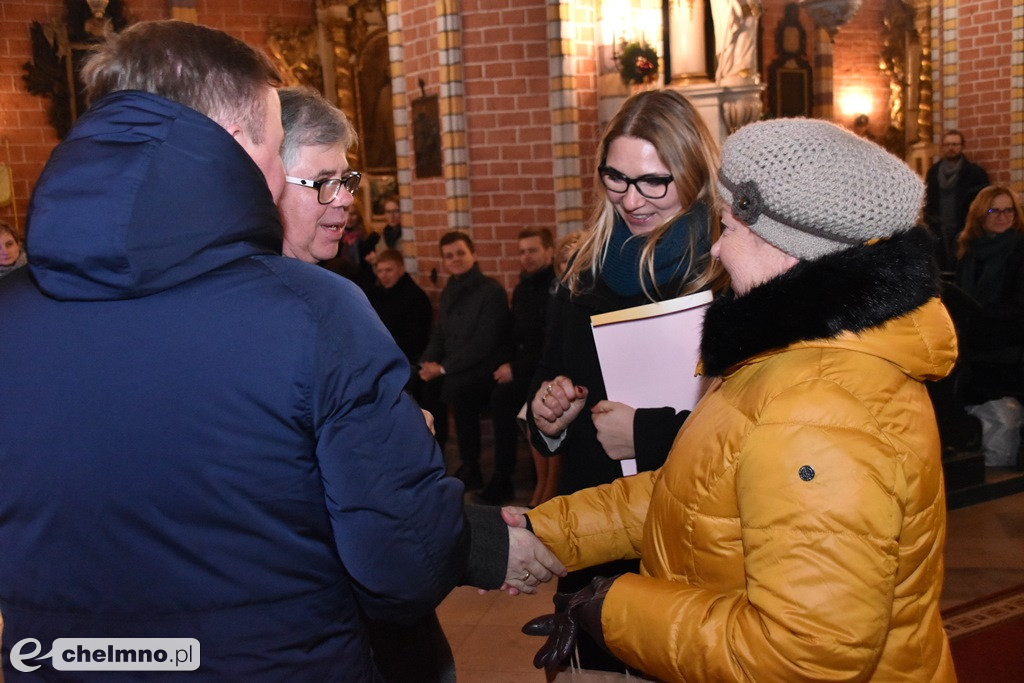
{"type": "Point", "coordinates": [530, 564]}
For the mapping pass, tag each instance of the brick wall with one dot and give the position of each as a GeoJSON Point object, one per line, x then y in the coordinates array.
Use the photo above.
{"type": "Point", "coordinates": [508, 123]}
{"type": "Point", "coordinates": [23, 120]}
{"type": "Point", "coordinates": [984, 57]}
{"type": "Point", "coordinates": [506, 93]}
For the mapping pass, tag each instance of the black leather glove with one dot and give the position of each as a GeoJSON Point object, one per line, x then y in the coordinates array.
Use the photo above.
{"type": "Point", "coordinates": [573, 611]}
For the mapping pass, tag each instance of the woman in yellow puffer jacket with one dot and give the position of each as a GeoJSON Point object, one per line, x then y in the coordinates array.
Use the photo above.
{"type": "Point", "coordinates": [796, 531]}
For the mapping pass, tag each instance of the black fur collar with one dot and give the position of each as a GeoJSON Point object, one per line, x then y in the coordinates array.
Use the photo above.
{"type": "Point", "coordinates": [852, 290]}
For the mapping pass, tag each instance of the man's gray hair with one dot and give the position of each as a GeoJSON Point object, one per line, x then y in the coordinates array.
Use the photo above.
{"type": "Point", "coordinates": [309, 119]}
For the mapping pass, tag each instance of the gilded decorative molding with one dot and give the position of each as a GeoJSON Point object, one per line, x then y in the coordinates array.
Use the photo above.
{"type": "Point", "coordinates": [335, 20]}
{"type": "Point", "coordinates": [923, 23]}
{"type": "Point", "coordinates": [294, 51]}
{"type": "Point", "coordinates": [900, 61]}
{"type": "Point", "coordinates": [919, 113]}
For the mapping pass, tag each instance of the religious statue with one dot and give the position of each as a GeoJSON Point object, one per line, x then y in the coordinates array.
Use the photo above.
{"type": "Point", "coordinates": [736, 40]}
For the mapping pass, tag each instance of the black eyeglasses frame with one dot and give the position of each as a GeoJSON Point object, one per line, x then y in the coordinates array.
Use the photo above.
{"type": "Point", "coordinates": [662, 181]}
{"type": "Point", "coordinates": [349, 180]}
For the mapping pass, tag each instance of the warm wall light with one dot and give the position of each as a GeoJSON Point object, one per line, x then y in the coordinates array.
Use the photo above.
{"type": "Point", "coordinates": [630, 20]}
{"type": "Point", "coordinates": [854, 101]}
{"type": "Point", "coordinates": [615, 15]}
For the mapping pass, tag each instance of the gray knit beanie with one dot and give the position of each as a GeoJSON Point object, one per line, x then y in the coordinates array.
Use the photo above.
{"type": "Point", "coordinates": [812, 188]}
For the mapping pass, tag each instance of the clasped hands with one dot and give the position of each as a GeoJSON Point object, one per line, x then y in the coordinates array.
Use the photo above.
{"type": "Point", "coordinates": [556, 405]}
{"type": "Point", "coordinates": [530, 563]}
{"type": "Point", "coordinates": [559, 401]}
{"type": "Point", "coordinates": [573, 611]}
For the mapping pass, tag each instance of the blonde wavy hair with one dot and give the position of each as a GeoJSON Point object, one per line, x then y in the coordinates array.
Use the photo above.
{"type": "Point", "coordinates": [668, 121]}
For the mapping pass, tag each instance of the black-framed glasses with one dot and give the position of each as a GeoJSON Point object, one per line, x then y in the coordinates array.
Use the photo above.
{"type": "Point", "coordinates": [328, 188]}
{"type": "Point", "coordinates": [1008, 211]}
{"type": "Point", "coordinates": [650, 186]}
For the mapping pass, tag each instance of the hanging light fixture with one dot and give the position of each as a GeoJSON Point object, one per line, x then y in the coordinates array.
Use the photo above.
{"type": "Point", "coordinates": [830, 14]}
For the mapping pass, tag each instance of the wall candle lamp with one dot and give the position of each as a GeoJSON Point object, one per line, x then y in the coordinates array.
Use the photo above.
{"type": "Point", "coordinates": [854, 101]}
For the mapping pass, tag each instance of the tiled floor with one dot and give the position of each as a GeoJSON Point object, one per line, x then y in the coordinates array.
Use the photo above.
{"type": "Point", "coordinates": [984, 549]}
{"type": "Point", "coordinates": [984, 554]}
{"type": "Point", "coordinates": [484, 634]}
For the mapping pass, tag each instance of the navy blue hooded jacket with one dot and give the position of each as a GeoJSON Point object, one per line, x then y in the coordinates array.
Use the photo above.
{"type": "Point", "coordinates": [201, 438]}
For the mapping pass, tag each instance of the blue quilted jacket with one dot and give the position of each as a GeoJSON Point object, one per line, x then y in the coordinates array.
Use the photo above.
{"type": "Point", "coordinates": [201, 438]}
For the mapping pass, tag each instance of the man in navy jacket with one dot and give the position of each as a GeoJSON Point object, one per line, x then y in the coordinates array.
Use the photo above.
{"type": "Point", "coordinates": [203, 439]}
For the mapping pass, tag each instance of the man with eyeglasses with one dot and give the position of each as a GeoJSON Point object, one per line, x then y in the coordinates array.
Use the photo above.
{"type": "Point", "coordinates": [320, 187]}
{"type": "Point", "coordinates": [315, 207]}
{"type": "Point", "coordinates": [393, 224]}
{"type": "Point", "coordinates": [953, 183]}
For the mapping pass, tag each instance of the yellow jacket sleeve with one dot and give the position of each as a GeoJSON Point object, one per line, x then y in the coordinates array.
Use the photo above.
{"type": "Point", "coordinates": [598, 524]}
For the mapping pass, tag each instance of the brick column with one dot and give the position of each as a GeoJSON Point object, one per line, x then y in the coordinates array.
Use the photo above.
{"type": "Point", "coordinates": [454, 149]}
{"type": "Point", "coordinates": [400, 111]}
{"type": "Point", "coordinates": [565, 134]}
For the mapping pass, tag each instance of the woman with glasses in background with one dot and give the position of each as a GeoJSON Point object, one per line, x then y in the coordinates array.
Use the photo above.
{"type": "Point", "coordinates": [988, 302]}
{"type": "Point", "coordinates": [647, 240]}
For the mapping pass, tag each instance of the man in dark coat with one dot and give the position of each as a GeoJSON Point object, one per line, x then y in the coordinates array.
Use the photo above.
{"type": "Point", "coordinates": [317, 137]}
{"type": "Point", "coordinates": [209, 441]}
{"type": "Point", "coordinates": [953, 183]}
{"type": "Point", "coordinates": [405, 310]}
{"type": "Point", "coordinates": [529, 310]}
{"type": "Point", "coordinates": [402, 305]}
{"type": "Point", "coordinates": [468, 344]}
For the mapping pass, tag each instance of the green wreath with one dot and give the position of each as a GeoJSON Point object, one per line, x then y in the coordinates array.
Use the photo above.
{"type": "Point", "coordinates": [638, 63]}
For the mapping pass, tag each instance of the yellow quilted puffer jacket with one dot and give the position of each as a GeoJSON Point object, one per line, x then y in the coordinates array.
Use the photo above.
{"type": "Point", "coordinates": [796, 531]}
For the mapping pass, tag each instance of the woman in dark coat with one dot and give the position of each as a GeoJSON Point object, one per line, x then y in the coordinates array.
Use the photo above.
{"type": "Point", "coordinates": [988, 304]}
{"type": "Point", "coordinates": [648, 240]}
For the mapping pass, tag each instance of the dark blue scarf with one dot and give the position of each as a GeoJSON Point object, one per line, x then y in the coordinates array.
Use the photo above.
{"type": "Point", "coordinates": [621, 268]}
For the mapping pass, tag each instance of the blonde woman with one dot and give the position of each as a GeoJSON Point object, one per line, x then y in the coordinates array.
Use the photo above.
{"type": "Point", "coordinates": [648, 240]}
